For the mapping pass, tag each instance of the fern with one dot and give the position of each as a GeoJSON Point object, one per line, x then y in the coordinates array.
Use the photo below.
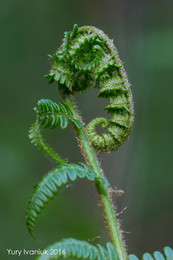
{"type": "Point", "coordinates": [75, 249]}
{"type": "Point", "coordinates": [49, 115]}
{"type": "Point", "coordinates": [87, 57]}
{"type": "Point", "coordinates": [50, 185]}
{"type": "Point", "coordinates": [156, 255]}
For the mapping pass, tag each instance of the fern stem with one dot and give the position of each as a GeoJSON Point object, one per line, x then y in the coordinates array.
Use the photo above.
{"type": "Point", "coordinates": [102, 189]}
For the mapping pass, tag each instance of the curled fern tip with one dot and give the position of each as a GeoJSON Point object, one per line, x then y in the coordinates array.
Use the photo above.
{"type": "Point", "coordinates": [88, 58]}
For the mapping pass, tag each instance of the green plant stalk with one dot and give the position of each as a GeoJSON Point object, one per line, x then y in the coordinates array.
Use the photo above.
{"type": "Point", "coordinates": [103, 190]}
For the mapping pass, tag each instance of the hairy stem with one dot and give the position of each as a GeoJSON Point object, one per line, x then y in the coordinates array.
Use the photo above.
{"type": "Point", "coordinates": [102, 189]}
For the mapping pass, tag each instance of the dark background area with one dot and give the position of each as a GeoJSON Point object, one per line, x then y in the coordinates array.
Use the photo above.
{"type": "Point", "coordinates": [143, 33]}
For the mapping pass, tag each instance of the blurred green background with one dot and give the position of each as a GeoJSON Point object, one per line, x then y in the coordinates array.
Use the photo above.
{"type": "Point", "coordinates": [143, 33]}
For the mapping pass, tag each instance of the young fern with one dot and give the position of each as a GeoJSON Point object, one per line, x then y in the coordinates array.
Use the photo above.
{"type": "Point", "coordinates": [86, 58]}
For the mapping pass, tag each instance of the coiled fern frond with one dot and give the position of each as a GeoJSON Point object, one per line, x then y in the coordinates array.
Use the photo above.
{"type": "Point", "coordinates": [51, 184]}
{"type": "Point", "coordinates": [71, 248]}
{"type": "Point", "coordinates": [88, 58]}
{"type": "Point", "coordinates": [49, 115]}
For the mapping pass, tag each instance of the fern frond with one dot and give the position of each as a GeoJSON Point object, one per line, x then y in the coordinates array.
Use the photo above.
{"type": "Point", "coordinates": [71, 248]}
{"type": "Point", "coordinates": [38, 140]}
{"type": "Point", "coordinates": [87, 57]}
{"type": "Point", "coordinates": [50, 185]}
{"type": "Point", "coordinates": [156, 255]}
{"type": "Point", "coordinates": [49, 115]}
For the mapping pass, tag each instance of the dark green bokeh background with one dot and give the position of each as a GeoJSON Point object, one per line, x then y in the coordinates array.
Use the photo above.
{"type": "Point", "coordinates": [143, 34]}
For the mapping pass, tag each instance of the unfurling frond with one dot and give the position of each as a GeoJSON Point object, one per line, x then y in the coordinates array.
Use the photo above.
{"type": "Point", "coordinates": [87, 57]}
{"type": "Point", "coordinates": [50, 185]}
{"type": "Point", "coordinates": [49, 115]}
{"type": "Point", "coordinates": [71, 248]}
{"type": "Point", "coordinates": [38, 140]}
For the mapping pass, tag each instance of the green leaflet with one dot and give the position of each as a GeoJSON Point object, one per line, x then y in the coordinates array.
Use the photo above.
{"type": "Point", "coordinates": [50, 185]}
{"type": "Point", "coordinates": [71, 248]}
{"type": "Point", "coordinates": [133, 257]}
{"type": "Point", "coordinates": [49, 115]}
{"type": "Point", "coordinates": [156, 255]}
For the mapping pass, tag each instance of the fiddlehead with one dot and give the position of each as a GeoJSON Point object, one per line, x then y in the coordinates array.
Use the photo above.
{"type": "Point", "coordinates": [88, 58]}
